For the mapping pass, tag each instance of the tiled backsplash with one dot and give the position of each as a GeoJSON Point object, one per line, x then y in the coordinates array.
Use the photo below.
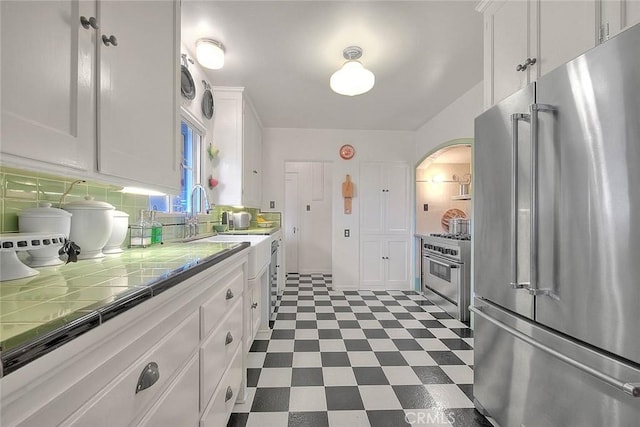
{"type": "Point", "coordinates": [22, 189]}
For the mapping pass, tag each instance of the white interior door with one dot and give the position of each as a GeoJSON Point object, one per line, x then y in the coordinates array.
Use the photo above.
{"type": "Point", "coordinates": [291, 214]}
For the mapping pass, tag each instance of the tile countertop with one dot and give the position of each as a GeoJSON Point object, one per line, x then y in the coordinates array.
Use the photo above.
{"type": "Point", "coordinates": [256, 231]}
{"type": "Point", "coordinates": [40, 313]}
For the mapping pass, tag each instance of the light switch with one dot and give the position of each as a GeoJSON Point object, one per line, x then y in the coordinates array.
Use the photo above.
{"type": "Point", "coordinates": [272, 204]}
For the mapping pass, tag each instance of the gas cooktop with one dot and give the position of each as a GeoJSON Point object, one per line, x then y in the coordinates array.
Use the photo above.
{"type": "Point", "coordinates": [461, 236]}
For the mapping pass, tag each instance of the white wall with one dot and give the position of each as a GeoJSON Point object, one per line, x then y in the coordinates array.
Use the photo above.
{"type": "Point", "coordinates": [455, 121]}
{"type": "Point", "coordinates": [280, 145]}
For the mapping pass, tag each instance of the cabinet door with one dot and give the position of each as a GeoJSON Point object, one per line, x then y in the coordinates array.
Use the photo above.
{"type": "Point", "coordinates": [618, 15]}
{"type": "Point", "coordinates": [397, 263]}
{"type": "Point", "coordinates": [371, 198]}
{"type": "Point", "coordinates": [372, 263]}
{"type": "Point", "coordinates": [252, 154]}
{"type": "Point", "coordinates": [178, 406]}
{"type": "Point", "coordinates": [566, 30]}
{"type": "Point", "coordinates": [227, 136]}
{"type": "Point", "coordinates": [396, 199]}
{"type": "Point", "coordinates": [137, 95]}
{"type": "Point", "coordinates": [507, 28]}
{"type": "Point", "coordinates": [48, 111]}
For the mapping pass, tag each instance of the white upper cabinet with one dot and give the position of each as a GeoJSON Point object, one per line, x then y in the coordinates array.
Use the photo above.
{"type": "Point", "coordinates": [56, 68]}
{"type": "Point", "coordinates": [384, 198]}
{"type": "Point", "coordinates": [137, 92]}
{"type": "Point", "coordinates": [48, 109]}
{"type": "Point", "coordinates": [524, 40]}
{"type": "Point", "coordinates": [617, 16]}
{"type": "Point", "coordinates": [237, 133]}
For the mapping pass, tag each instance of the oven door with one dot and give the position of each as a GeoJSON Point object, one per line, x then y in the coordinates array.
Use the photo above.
{"type": "Point", "coordinates": [442, 276]}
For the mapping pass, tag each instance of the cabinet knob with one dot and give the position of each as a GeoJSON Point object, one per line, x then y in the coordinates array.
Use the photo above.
{"type": "Point", "coordinates": [229, 339]}
{"type": "Point", "coordinates": [149, 376]}
{"type": "Point", "coordinates": [523, 67]}
{"type": "Point", "coordinates": [254, 305]}
{"type": "Point", "coordinates": [89, 23]}
{"type": "Point", "coordinates": [109, 40]}
{"type": "Point", "coordinates": [229, 294]}
{"type": "Point", "coordinates": [228, 395]}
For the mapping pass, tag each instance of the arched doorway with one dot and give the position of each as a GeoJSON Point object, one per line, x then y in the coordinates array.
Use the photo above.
{"type": "Point", "coordinates": [443, 182]}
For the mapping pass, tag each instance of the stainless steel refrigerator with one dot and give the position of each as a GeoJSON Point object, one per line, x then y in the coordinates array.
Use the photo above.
{"type": "Point", "coordinates": [557, 246]}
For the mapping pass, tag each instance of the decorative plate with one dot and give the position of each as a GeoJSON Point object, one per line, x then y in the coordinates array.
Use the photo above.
{"type": "Point", "coordinates": [347, 151]}
{"type": "Point", "coordinates": [450, 214]}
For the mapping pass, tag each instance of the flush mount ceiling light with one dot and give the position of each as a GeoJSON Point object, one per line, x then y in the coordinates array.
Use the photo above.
{"type": "Point", "coordinates": [210, 53]}
{"type": "Point", "coordinates": [352, 79]}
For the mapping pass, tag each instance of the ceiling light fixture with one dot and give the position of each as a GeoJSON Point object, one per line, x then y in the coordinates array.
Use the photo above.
{"type": "Point", "coordinates": [210, 53]}
{"type": "Point", "coordinates": [352, 79]}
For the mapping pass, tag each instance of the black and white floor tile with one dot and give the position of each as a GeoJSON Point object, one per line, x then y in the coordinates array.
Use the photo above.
{"type": "Point", "coordinates": [358, 358]}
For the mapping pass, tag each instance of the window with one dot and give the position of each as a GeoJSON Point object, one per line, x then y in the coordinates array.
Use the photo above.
{"type": "Point", "coordinates": [191, 143]}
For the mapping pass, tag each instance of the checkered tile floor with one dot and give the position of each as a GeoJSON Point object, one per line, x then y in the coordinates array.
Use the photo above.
{"type": "Point", "coordinates": [359, 358]}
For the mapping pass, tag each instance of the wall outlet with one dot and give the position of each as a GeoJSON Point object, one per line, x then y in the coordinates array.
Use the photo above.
{"type": "Point", "coordinates": [425, 207]}
{"type": "Point", "coordinates": [272, 204]}
{"type": "Point", "coordinates": [308, 207]}
{"type": "Point", "coordinates": [347, 232]}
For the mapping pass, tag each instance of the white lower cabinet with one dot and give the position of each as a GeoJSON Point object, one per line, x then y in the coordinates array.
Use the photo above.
{"type": "Point", "coordinates": [384, 262]}
{"type": "Point", "coordinates": [217, 351]}
{"type": "Point", "coordinates": [176, 359]}
{"type": "Point", "coordinates": [123, 400]}
{"type": "Point", "coordinates": [218, 411]}
{"type": "Point", "coordinates": [178, 406]}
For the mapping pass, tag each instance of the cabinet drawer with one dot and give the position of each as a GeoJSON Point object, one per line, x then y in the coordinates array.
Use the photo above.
{"type": "Point", "coordinates": [216, 352]}
{"type": "Point", "coordinates": [119, 403]}
{"type": "Point", "coordinates": [178, 406]}
{"type": "Point", "coordinates": [221, 404]}
{"type": "Point", "coordinates": [230, 290]}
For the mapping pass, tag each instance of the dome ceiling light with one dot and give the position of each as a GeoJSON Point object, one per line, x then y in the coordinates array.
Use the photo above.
{"type": "Point", "coordinates": [352, 79]}
{"type": "Point", "coordinates": [210, 53]}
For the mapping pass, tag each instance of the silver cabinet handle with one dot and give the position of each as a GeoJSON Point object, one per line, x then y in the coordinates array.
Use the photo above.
{"type": "Point", "coordinates": [89, 23]}
{"type": "Point", "coordinates": [632, 389]}
{"type": "Point", "coordinates": [254, 305]}
{"type": "Point", "coordinates": [515, 120]}
{"type": "Point", "coordinates": [229, 294]}
{"type": "Point", "coordinates": [148, 377]}
{"type": "Point", "coordinates": [228, 339]}
{"type": "Point", "coordinates": [533, 275]}
{"type": "Point", "coordinates": [109, 40]}
{"type": "Point", "coordinates": [228, 395]}
{"type": "Point", "coordinates": [525, 65]}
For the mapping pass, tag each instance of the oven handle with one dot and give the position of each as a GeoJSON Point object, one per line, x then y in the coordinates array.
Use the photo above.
{"type": "Point", "coordinates": [444, 264]}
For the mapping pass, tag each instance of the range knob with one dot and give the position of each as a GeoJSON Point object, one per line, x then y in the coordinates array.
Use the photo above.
{"type": "Point", "coordinates": [454, 252]}
{"type": "Point", "coordinates": [447, 251]}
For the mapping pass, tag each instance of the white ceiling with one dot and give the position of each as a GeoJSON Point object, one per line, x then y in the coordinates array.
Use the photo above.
{"type": "Point", "coordinates": [425, 54]}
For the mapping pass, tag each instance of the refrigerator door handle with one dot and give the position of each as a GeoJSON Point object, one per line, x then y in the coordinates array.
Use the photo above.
{"type": "Point", "coordinates": [533, 250]}
{"type": "Point", "coordinates": [515, 120]}
{"type": "Point", "coordinates": [632, 389]}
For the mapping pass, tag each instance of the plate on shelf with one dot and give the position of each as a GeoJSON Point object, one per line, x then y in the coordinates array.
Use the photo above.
{"type": "Point", "coordinates": [450, 214]}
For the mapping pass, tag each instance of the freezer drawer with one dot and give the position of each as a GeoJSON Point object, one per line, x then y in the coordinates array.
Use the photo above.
{"type": "Point", "coordinates": [519, 384]}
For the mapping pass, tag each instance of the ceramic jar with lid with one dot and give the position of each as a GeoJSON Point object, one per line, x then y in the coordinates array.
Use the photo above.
{"type": "Point", "coordinates": [45, 219]}
{"type": "Point", "coordinates": [118, 233]}
{"type": "Point", "coordinates": [91, 226]}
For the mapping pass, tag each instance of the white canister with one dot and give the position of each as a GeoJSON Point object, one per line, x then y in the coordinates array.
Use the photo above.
{"type": "Point", "coordinates": [45, 219]}
{"type": "Point", "coordinates": [91, 226]}
{"type": "Point", "coordinates": [118, 233]}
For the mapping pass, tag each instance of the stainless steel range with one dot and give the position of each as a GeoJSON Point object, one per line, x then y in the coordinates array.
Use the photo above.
{"type": "Point", "coordinates": [446, 272]}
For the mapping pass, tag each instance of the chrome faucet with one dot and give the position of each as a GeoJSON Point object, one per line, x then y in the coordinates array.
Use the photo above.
{"type": "Point", "coordinates": [192, 219]}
